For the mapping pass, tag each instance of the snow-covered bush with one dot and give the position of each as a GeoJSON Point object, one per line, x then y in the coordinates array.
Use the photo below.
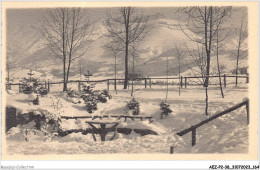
{"type": "Point", "coordinates": [42, 91]}
{"type": "Point", "coordinates": [87, 91]}
{"type": "Point", "coordinates": [106, 94]}
{"type": "Point", "coordinates": [91, 103]}
{"type": "Point", "coordinates": [72, 93]}
{"type": "Point", "coordinates": [165, 109]}
{"type": "Point", "coordinates": [39, 124]}
{"type": "Point", "coordinates": [56, 103]}
{"type": "Point", "coordinates": [102, 98]}
{"type": "Point", "coordinates": [92, 97]}
{"type": "Point", "coordinates": [30, 85]}
{"type": "Point", "coordinates": [134, 105]}
{"type": "Point", "coordinates": [33, 98]}
{"type": "Point", "coordinates": [36, 101]}
{"type": "Point", "coordinates": [47, 122]}
{"type": "Point", "coordinates": [88, 88]}
{"type": "Point", "coordinates": [44, 121]}
{"type": "Point", "coordinates": [52, 122]}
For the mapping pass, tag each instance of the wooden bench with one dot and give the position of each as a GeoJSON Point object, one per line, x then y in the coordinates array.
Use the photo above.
{"type": "Point", "coordinates": [103, 130]}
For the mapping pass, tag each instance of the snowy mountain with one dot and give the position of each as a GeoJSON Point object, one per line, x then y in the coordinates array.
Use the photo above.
{"type": "Point", "coordinates": [98, 60]}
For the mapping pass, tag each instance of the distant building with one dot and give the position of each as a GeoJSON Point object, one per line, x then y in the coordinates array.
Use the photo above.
{"type": "Point", "coordinates": [242, 70]}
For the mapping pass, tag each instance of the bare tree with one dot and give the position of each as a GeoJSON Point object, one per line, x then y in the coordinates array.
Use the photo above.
{"type": "Point", "coordinates": [241, 34]}
{"type": "Point", "coordinates": [220, 83]}
{"type": "Point", "coordinates": [219, 46]}
{"type": "Point", "coordinates": [135, 51]}
{"type": "Point", "coordinates": [199, 58]}
{"type": "Point", "coordinates": [115, 50]}
{"type": "Point", "coordinates": [15, 52]}
{"type": "Point", "coordinates": [179, 54]}
{"type": "Point", "coordinates": [134, 55]}
{"type": "Point", "coordinates": [221, 36]}
{"type": "Point", "coordinates": [217, 49]}
{"type": "Point", "coordinates": [68, 32]}
{"type": "Point", "coordinates": [167, 74]}
{"type": "Point", "coordinates": [9, 65]}
{"type": "Point", "coordinates": [201, 25]}
{"type": "Point", "coordinates": [126, 26]}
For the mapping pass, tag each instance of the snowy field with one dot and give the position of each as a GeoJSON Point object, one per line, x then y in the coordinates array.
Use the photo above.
{"type": "Point", "coordinates": [227, 134]}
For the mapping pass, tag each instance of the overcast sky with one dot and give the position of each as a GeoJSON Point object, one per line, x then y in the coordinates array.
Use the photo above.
{"type": "Point", "coordinates": [27, 17]}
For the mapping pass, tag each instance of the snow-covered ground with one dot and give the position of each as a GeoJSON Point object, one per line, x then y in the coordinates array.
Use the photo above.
{"type": "Point", "coordinates": [227, 134]}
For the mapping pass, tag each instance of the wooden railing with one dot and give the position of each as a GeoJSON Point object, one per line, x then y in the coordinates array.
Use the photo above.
{"type": "Point", "coordinates": [108, 116]}
{"type": "Point", "coordinates": [193, 128]}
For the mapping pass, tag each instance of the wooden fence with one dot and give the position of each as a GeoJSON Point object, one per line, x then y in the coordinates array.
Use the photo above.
{"type": "Point", "coordinates": [108, 116]}
{"type": "Point", "coordinates": [183, 81]}
{"type": "Point", "coordinates": [193, 128]}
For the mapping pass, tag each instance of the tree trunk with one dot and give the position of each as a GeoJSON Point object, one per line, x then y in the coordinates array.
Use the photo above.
{"type": "Point", "coordinates": [8, 78]}
{"type": "Point", "coordinates": [167, 80]}
{"type": "Point", "coordinates": [238, 53]}
{"type": "Point", "coordinates": [132, 92]}
{"type": "Point", "coordinates": [208, 50]}
{"type": "Point", "coordinates": [208, 46]}
{"type": "Point", "coordinates": [64, 52]}
{"type": "Point", "coordinates": [68, 72]}
{"type": "Point", "coordinates": [64, 75]}
{"type": "Point", "coordinates": [115, 74]}
{"type": "Point", "coordinates": [206, 109]}
{"type": "Point", "coordinates": [126, 67]}
{"type": "Point", "coordinates": [71, 46]}
{"type": "Point", "coordinates": [179, 76]}
{"type": "Point", "coordinates": [8, 74]}
{"type": "Point", "coordinates": [220, 83]}
{"type": "Point", "coordinates": [126, 47]}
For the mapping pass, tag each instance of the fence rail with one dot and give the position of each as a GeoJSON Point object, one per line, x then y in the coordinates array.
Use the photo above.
{"type": "Point", "coordinates": [193, 128]}
{"type": "Point", "coordinates": [108, 116]}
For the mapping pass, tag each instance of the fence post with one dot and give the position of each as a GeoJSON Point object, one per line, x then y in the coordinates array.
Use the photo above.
{"type": "Point", "coordinates": [145, 82]}
{"type": "Point", "coordinates": [181, 81]}
{"type": "Point", "coordinates": [108, 84]}
{"type": "Point", "coordinates": [247, 78]}
{"type": "Point", "coordinates": [225, 84]}
{"type": "Point", "coordinates": [185, 82]}
{"type": "Point", "coordinates": [193, 137]}
{"type": "Point", "coordinates": [8, 87]}
{"type": "Point", "coordinates": [171, 150]}
{"type": "Point", "coordinates": [79, 89]}
{"type": "Point", "coordinates": [115, 84]}
{"type": "Point", "coordinates": [150, 83]}
{"type": "Point", "coordinates": [48, 85]}
{"type": "Point", "coordinates": [247, 111]}
{"type": "Point", "coordinates": [19, 86]}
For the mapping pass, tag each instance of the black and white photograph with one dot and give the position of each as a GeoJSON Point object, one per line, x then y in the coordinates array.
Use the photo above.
{"type": "Point", "coordinates": [130, 79]}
